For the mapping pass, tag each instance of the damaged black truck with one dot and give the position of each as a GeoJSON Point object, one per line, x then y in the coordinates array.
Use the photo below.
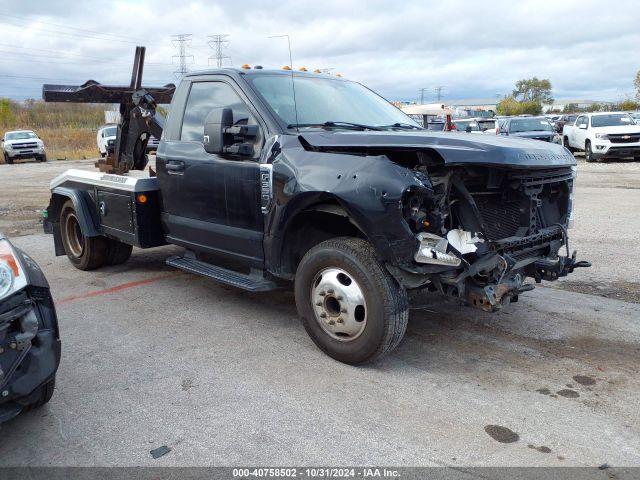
{"type": "Point", "coordinates": [273, 177]}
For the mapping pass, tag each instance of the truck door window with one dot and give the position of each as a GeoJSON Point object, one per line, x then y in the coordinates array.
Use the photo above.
{"type": "Point", "coordinates": [205, 96]}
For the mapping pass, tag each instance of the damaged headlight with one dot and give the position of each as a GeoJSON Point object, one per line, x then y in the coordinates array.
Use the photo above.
{"type": "Point", "coordinates": [433, 249]}
{"type": "Point", "coordinates": [12, 277]}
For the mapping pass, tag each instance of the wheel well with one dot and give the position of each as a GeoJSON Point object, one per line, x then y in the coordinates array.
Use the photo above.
{"type": "Point", "coordinates": [312, 226]}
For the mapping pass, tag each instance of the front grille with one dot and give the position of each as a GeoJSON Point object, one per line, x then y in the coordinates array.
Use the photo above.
{"type": "Point", "coordinates": [544, 139]}
{"type": "Point", "coordinates": [624, 137]}
{"type": "Point", "coordinates": [501, 219]}
{"type": "Point", "coordinates": [25, 145]}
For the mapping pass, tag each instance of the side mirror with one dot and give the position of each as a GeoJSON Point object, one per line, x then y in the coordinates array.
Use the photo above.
{"type": "Point", "coordinates": [215, 124]}
{"type": "Point", "coordinates": [468, 129]}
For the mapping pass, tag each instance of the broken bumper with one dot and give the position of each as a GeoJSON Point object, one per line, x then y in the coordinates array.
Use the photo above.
{"type": "Point", "coordinates": [494, 279]}
{"type": "Point", "coordinates": [29, 349]}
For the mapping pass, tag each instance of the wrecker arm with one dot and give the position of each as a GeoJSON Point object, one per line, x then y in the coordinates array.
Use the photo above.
{"type": "Point", "coordinates": [139, 118]}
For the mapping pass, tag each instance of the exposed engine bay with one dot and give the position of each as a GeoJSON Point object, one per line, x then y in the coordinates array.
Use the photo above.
{"type": "Point", "coordinates": [484, 229]}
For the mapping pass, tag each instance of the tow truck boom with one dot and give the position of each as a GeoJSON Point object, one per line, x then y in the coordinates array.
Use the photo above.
{"type": "Point", "coordinates": [139, 118]}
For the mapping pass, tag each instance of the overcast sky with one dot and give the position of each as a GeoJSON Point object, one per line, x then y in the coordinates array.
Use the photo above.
{"type": "Point", "coordinates": [588, 49]}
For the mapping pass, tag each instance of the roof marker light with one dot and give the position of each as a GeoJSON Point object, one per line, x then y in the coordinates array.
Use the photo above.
{"type": "Point", "coordinates": [246, 66]}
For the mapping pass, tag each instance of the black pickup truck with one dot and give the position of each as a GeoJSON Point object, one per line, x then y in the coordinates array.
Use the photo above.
{"type": "Point", "coordinates": [273, 177]}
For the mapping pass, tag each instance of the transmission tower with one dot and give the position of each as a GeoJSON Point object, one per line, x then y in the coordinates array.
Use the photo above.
{"type": "Point", "coordinates": [181, 42]}
{"type": "Point", "coordinates": [438, 91]}
{"type": "Point", "coordinates": [422, 90]}
{"type": "Point", "coordinates": [218, 43]}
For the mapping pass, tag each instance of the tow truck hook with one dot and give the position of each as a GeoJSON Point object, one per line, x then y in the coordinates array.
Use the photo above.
{"type": "Point", "coordinates": [548, 270]}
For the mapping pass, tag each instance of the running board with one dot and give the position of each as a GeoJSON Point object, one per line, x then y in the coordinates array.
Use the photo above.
{"type": "Point", "coordinates": [251, 283]}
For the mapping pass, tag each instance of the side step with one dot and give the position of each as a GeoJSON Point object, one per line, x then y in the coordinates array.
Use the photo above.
{"type": "Point", "coordinates": [252, 283]}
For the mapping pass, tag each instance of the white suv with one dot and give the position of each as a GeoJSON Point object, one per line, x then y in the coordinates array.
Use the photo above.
{"type": "Point", "coordinates": [106, 136]}
{"type": "Point", "coordinates": [603, 135]}
{"type": "Point", "coordinates": [22, 144]}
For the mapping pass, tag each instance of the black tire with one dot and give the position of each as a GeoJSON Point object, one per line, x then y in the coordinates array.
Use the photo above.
{"type": "Point", "coordinates": [85, 253]}
{"type": "Point", "coordinates": [565, 143]}
{"type": "Point", "coordinates": [386, 302]}
{"type": "Point", "coordinates": [102, 154]}
{"type": "Point", "coordinates": [8, 160]}
{"type": "Point", "coordinates": [588, 154]}
{"type": "Point", "coordinates": [44, 395]}
{"type": "Point", "coordinates": [118, 252]}
{"type": "Point", "coordinates": [42, 158]}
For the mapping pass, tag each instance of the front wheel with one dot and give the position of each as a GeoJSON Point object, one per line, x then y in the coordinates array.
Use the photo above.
{"type": "Point", "coordinates": [351, 307]}
{"type": "Point", "coordinates": [7, 159]}
{"type": "Point", "coordinates": [41, 158]}
{"type": "Point", "coordinates": [43, 395]}
{"type": "Point", "coordinates": [588, 154]}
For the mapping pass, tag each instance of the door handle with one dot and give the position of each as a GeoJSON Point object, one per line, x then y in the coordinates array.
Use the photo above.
{"type": "Point", "coordinates": [175, 167]}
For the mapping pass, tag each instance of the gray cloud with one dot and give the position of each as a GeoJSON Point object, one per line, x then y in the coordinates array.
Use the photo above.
{"type": "Point", "coordinates": [587, 49]}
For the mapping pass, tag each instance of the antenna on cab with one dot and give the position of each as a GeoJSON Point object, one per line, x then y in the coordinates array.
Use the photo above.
{"type": "Point", "coordinates": [293, 84]}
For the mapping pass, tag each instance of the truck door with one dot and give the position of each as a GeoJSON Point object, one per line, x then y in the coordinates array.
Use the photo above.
{"type": "Point", "coordinates": [211, 203]}
{"type": "Point", "coordinates": [580, 134]}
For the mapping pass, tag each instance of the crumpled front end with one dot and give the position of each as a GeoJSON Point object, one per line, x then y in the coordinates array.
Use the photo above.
{"type": "Point", "coordinates": [29, 336]}
{"type": "Point", "coordinates": [483, 230]}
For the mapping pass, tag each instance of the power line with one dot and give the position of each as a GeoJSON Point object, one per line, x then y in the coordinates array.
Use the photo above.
{"type": "Point", "coordinates": [182, 41]}
{"type": "Point", "coordinates": [71, 34]}
{"type": "Point", "coordinates": [64, 55]}
{"type": "Point", "coordinates": [218, 43]}
{"type": "Point", "coordinates": [27, 19]}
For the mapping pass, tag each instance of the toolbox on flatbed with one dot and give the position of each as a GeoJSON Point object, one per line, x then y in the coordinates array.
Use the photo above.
{"type": "Point", "coordinates": [123, 207]}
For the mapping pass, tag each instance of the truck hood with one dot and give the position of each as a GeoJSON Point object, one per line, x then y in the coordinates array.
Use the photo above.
{"type": "Point", "coordinates": [618, 129]}
{"type": "Point", "coordinates": [454, 148]}
{"type": "Point", "coordinates": [534, 134]}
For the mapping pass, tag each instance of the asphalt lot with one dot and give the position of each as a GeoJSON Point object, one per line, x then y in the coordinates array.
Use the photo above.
{"type": "Point", "coordinates": [155, 357]}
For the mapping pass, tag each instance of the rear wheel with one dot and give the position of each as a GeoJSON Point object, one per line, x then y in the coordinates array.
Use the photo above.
{"type": "Point", "coordinates": [85, 253]}
{"type": "Point", "coordinates": [351, 307]}
{"type": "Point", "coordinates": [565, 143]}
{"type": "Point", "coordinates": [118, 252]}
{"type": "Point", "coordinates": [588, 154]}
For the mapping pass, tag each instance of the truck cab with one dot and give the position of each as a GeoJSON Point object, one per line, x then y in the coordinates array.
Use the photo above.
{"type": "Point", "coordinates": [277, 179]}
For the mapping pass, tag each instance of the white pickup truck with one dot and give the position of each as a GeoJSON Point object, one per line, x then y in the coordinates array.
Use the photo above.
{"type": "Point", "coordinates": [603, 135]}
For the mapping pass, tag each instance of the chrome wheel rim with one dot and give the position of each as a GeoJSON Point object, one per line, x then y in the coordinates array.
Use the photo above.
{"type": "Point", "coordinates": [338, 304]}
{"type": "Point", "coordinates": [75, 239]}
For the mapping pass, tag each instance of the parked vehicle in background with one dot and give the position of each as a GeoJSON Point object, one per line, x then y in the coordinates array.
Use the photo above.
{"type": "Point", "coordinates": [535, 128]}
{"type": "Point", "coordinates": [603, 135]}
{"type": "Point", "coordinates": [476, 125]}
{"type": "Point", "coordinates": [564, 120]}
{"type": "Point", "coordinates": [106, 137]}
{"type": "Point", "coordinates": [29, 337]}
{"type": "Point", "coordinates": [22, 144]}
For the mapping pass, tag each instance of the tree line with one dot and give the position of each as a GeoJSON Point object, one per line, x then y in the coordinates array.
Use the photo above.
{"type": "Point", "coordinates": [531, 94]}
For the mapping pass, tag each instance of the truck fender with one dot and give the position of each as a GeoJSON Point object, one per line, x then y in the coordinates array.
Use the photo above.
{"type": "Point", "coordinates": [82, 203]}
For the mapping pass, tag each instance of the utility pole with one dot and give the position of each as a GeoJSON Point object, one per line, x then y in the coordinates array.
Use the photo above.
{"type": "Point", "coordinates": [218, 43]}
{"type": "Point", "coordinates": [438, 91]}
{"type": "Point", "coordinates": [422, 90]}
{"type": "Point", "coordinates": [181, 42]}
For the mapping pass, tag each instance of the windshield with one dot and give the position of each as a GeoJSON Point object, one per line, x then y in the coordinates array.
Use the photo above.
{"type": "Point", "coordinates": [487, 125]}
{"type": "Point", "coordinates": [20, 135]}
{"type": "Point", "coordinates": [529, 125]}
{"type": "Point", "coordinates": [110, 132]}
{"type": "Point", "coordinates": [320, 100]}
{"type": "Point", "coordinates": [611, 120]}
